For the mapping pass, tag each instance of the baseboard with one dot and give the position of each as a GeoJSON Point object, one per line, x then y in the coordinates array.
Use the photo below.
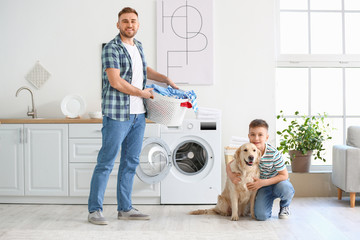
{"type": "Point", "coordinates": [314, 184]}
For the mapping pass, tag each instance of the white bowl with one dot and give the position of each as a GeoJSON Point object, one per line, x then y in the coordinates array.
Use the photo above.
{"type": "Point", "coordinates": [97, 115]}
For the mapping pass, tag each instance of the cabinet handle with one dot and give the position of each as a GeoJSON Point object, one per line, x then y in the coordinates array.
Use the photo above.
{"type": "Point", "coordinates": [20, 136]}
{"type": "Point", "coordinates": [26, 135]}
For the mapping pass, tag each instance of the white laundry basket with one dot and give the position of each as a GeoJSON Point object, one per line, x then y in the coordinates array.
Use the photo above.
{"type": "Point", "coordinates": [166, 110]}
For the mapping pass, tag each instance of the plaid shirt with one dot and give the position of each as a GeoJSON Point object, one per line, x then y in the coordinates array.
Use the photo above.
{"type": "Point", "coordinates": [116, 104]}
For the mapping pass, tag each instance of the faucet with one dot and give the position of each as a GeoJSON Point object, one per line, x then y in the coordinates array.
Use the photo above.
{"type": "Point", "coordinates": [33, 110]}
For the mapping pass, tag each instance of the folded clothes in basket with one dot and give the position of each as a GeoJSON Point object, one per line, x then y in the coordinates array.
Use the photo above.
{"type": "Point", "coordinates": [236, 141]}
{"type": "Point", "coordinates": [176, 93]}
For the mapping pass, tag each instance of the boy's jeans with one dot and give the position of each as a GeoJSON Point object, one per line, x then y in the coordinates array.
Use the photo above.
{"type": "Point", "coordinates": [266, 195]}
{"type": "Point", "coordinates": [115, 134]}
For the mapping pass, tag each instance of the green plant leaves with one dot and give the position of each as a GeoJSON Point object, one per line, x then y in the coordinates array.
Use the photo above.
{"type": "Point", "coordinates": [304, 134]}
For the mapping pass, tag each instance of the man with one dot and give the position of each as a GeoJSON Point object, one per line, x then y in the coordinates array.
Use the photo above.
{"type": "Point", "coordinates": [124, 78]}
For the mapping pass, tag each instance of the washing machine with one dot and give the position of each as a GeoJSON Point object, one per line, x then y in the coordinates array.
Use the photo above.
{"type": "Point", "coordinates": [185, 161]}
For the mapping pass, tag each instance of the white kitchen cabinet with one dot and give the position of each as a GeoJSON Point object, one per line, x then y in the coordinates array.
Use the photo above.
{"type": "Point", "coordinates": [34, 160]}
{"type": "Point", "coordinates": [84, 146]}
{"type": "Point", "coordinates": [46, 159]}
{"type": "Point", "coordinates": [54, 163]}
{"type": "Point", "coordinates": [84, 150]}
{"type": "Point", "coordinates": [11, 160]}
{"type": "Point", "coordinates": [80, 177]}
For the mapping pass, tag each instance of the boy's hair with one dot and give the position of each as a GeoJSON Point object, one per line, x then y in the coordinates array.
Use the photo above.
{"type": "Point", "coordinates": [258, 123]}
{"type": "Point", "coordinates": [127, 10]}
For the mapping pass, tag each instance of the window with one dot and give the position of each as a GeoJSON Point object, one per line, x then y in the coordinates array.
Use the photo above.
{"type": "Point", "coordinates": [318, 63]}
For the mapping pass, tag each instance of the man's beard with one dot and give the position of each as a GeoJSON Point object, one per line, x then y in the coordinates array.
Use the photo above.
{"type": "Point", "coordinates": [127, 35]}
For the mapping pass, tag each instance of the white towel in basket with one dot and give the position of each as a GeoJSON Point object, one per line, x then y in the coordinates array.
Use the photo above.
{"type": "Point", "coordinates": [236, 141]}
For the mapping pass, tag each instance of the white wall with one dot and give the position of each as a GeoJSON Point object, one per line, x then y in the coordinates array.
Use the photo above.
{"type": "Point", "coordinates": [66, 36]}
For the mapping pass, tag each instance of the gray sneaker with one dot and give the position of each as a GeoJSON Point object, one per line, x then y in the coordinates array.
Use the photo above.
{"type": "Point", "coordinates": [284, 212]}
{"type": "Point", "coordinates": [133, 214]}
{"type": "Point", "coordinates": [97, 218]}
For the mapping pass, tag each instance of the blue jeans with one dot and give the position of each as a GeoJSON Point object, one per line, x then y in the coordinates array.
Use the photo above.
{"type": "Point", "coordinates": [127, 135]}
{"type": "Point", "coordinates": [266, 195]}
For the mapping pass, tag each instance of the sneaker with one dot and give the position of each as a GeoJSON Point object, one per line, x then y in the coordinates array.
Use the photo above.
{"type": "Point", "coordinates": [284, 212]}
{"type": "Point", "coordinates": [133, 214]}
{"type": "Point", "coordinates": [97, 218]}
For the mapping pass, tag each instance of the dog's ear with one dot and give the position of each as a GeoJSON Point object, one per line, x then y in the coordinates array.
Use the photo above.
{"type": "Point", "coordinates": [237, 153]}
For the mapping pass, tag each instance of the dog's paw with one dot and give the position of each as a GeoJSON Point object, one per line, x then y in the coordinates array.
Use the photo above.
{"type": "Point", "coordinates": [234, 218]}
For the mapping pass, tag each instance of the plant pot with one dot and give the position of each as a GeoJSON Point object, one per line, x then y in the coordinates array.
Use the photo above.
{"type": "Point", "coordinates": [300, 162]}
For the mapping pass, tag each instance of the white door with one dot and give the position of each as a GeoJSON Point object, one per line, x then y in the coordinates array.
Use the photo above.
{"type": "Point", "coordinates": [11, 160]}
{"type": "Point", "coordinates": [155, 161]}
{"type": "Point", "coordinates": [46, 159]}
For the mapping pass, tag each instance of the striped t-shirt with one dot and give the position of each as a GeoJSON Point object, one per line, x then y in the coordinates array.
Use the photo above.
{"type": "Point", "coordinates": [271, 162]}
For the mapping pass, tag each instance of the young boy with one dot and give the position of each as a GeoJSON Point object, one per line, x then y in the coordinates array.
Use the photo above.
{"type": "Point", "coordinates": [273, 182]}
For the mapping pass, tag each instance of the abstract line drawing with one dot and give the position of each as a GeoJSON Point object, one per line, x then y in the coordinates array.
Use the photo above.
{"type": "Point", "coordinates": [185, 40]}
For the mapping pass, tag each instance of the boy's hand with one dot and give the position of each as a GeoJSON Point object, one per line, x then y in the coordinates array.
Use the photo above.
{"type": "Point", "coordinates": [234, 177]}
{"type": "Point", "coordinates": [255, 185]}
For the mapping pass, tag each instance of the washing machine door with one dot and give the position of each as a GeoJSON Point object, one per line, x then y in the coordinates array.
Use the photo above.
{"type": "Point", "coordinates": [155, 161]}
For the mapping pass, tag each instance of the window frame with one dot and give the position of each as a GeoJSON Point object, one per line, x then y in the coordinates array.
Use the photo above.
{"type": "Point", "coordinates": [310, 61]}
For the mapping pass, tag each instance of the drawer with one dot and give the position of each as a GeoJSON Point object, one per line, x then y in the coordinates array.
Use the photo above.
{"type": "Point", "coordinates": [94, 130]}
{"type": "Point", "coordinates": [85, 150]}
{"type": "Point", "coordinates": [80, 177]}
{"type": "Point", "coordinates": [85, 130]}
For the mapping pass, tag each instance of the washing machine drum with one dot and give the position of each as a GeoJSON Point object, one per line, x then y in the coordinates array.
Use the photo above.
{"type": "Point", "coordinates": [190, 157]}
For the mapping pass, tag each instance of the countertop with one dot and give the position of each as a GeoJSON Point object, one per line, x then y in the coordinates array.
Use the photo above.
{"type": "Point", "coordinates": [52, 120]}
{"type": "Point", "coordinates": [49, 120]}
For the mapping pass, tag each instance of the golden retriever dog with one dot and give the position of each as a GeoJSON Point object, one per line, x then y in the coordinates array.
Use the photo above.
{"type": "Point", "coordinates": [235, 198]}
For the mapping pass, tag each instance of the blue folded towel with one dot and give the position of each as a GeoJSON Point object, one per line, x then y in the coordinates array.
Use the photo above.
{"type": "Point", "coordinates": [176, 93]}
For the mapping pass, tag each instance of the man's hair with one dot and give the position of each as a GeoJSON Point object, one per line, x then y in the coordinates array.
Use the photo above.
{"type": "Point", "coordinates": [258, 123]}
{"type": "Point", "coordinates": [127, 10]}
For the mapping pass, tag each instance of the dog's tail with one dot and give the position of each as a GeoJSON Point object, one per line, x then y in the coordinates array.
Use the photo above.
{"type": "Point", "coordinates": [204, 212]}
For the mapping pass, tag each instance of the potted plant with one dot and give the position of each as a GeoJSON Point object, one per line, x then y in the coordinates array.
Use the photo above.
{"type": "Point", "coordinates": [303, 138]}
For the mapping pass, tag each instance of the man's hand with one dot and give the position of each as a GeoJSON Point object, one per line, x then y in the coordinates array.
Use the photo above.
{"type": "Point", "coordinates": [172, 84]}
{"type": "Point", "coordinates": [146, 93]}
{"type": "Point", "coordinates": [154, 75]}
{"type": "Point", "coordinates": [255, 185]}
